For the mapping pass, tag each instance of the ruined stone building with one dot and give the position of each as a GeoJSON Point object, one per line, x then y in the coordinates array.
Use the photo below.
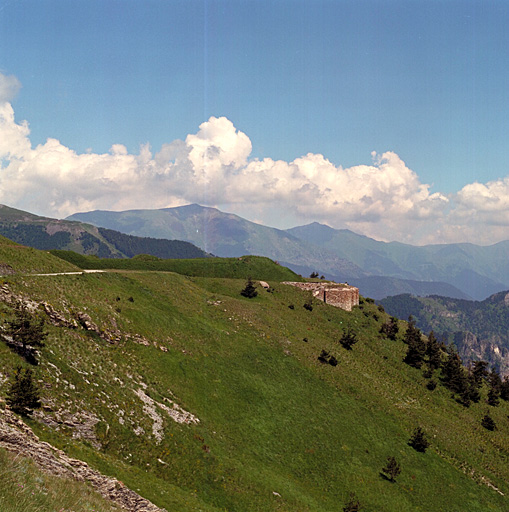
{"type": "Point", "coordinates": [341, 295]}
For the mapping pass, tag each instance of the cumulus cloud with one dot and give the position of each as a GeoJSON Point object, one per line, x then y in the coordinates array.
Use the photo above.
{"type": "Point", "coordinates": [9, 87]}
{"type": "Point", "coordinates": [385, 200]}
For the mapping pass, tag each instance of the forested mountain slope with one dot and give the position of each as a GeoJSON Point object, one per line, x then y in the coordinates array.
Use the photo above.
{"type": "Point", "coordinates": [480, 329]}
{"type": "Point", "coordinates": [45, 233]}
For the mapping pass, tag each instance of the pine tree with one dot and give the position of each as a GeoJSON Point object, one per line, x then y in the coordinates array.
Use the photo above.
{"type": "Point", "coordinates": [390, 328]}
{"type": "Point", "coordinates": [23, 395]}
{"type": "Point", "coordinates": [27, 333]}
{"type": "Point", "coordinates": [493, 397]}
{"type": "Point", "coordinates": [249, 290]}
{"type": "Point", "coordinates": [504, 389]}
{"type": "Point", "coordinates": [480, 371]}
{"type": "Point", "coordinates": [353, 504]}
{"type": "Point", "coordinates": [416, 347]}
{"type": "Point", "coordinates": [488, 423]}
{"type": "Point", "coordinates": [348, 339]}
{"type": "Point", "coordinates": [392, 468]}
{"type": "Point", "coordinates": [434, 352]}
{"type": "Point", "coordinates": [454, 376]}
{"type": "Point", "coordinates": [418, 440]}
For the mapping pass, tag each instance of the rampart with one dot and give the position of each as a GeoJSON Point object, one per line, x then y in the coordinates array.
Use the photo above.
{"type": "Point", "coordinates": [341, 295]}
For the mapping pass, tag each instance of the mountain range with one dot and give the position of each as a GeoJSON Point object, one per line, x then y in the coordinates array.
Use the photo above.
{"type": "Point", "coordinates": [46, 233]}
{"type": "Point", "coordinates": [379, 269]}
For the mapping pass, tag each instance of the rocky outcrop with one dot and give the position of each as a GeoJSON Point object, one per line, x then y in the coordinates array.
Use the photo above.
{"type": "Point", "coordinates": [491, 349]}
{"type": "Point", "coordinates": [17, 437]}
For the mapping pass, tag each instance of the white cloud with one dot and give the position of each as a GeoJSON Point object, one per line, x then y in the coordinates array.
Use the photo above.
{"type": "Point", "coordinates": [384, 200]}
{"type": "Point", "coordinates": [9, 87]}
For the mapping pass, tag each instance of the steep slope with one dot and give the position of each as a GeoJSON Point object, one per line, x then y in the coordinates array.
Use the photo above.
{"type": "Point", "coordinates": [480, 330]}
{"type": "Point", "coordinates": [222, 234]}
{"type": "Point", "coordinates": [477, 271]}
{"type": "Point", "coordinates": [46, 233]}
{"type": "Point", "coordinates": [200, 399]}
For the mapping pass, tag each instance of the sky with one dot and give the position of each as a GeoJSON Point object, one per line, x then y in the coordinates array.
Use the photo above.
{"type": "Point", "coordinates": [386, 117]}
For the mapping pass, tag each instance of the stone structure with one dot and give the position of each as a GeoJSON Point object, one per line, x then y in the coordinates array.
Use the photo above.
{"type": "Point", "coordinates": [341, 295]}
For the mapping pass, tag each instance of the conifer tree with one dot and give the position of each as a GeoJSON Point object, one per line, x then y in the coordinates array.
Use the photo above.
{"type": "Point", "coordinates": [416, 347]}
{"type": "Point", "coordinates": [390, 328]}
{"type": "Point", "coordinates": [348, 339]}
{"type": "Point", "coordinates": [353, 504]}
{"type": "Point", "coordinates": [504, 389]}
{"type": "Point", "coordinates": [418, 440]}
{"type": "Point", "coordinates": [454, 376]}
{"type": "Point", "coordinates": [23, 395]}
{"type": "Point", "coordinates": [434, 352]}
{"type": "Point", "coordinates": [392, 468]}
{"type": "Point", "coordinates": [249, 290]}
{"type": "Point", "coordinates": [493, 397]}
{"type": "Point", "coordinates": [488, 422]}
{"type": "Point", "coordinates": [27, 332]}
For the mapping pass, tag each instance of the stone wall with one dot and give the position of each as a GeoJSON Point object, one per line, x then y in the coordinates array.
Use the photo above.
{"type": "Point", "coordinates": [340, 295]}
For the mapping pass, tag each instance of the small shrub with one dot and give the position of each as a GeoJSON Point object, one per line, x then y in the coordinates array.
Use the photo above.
{"type": "Point", "coordinates": [308, 305]}
{"type": "Point", "coordinates": [418, 440]}
{"type": "Point", "coordinates": [130, 299]}
{"type": "Point", "coordinates": [249, 290]}
{"type": "Point", "coordinates": [333, 361]}
{"type": "Point", "coordinates": [431, 384]}
{"type": "Point", "coordinates": [392, 469]}
{"type": "Point", "coordinates": [291, 306]}
{"type": "Point", "coordinates": [348, 339]}
{"type": "Point", "coordinates": [488, 422]}
{"type": "Point", "coordinates": [353, 504]}
{"type": "Point", "coordinates": [313, 275]}
{"type": "Point", "coordinates": [323, 357]}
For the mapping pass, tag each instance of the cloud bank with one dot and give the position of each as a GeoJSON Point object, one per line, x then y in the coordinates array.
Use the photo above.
{"type": "Point", "coordinates": [384, 200]}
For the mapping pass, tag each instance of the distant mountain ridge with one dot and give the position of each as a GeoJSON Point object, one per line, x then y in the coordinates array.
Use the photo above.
{"type": "Point", "coordinates": [46, 233]}
{"type": "Point", "coordinates": [463, 271]}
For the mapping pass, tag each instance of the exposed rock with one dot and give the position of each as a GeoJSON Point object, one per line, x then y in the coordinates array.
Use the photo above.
{"type": "Point", "coordinates": [82, 424]}
{"type": "Point", "coordinates": [17, 437]}
{"type": "Point", "coordinates": [6, 270]}
{"type": "Point", "coordinates": [175, 412]}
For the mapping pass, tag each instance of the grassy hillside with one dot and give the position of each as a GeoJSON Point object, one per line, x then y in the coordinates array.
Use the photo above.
{"type": "Point", "coordinates": [277, 429]}
{"type": "Point", "coordinates": [24, 487]}
{"type": "Point", "coordinates": [16, 258]}
{"type": "Point", "coordinates": [256, 267]}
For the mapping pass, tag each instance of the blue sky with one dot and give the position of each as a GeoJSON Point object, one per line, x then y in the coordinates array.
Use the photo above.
{"type": "Point", "coordinates": [427, 81]}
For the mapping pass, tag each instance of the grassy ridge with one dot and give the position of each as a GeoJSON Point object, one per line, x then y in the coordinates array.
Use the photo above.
{"type": "Point", "coordinates": [23, 487]}
{"type": "Point", "coordinates": [256, 267]}
{"type": "Point", "coordinates": [23, 259]}
{"type": "Point", "coordinates": [272, 418]}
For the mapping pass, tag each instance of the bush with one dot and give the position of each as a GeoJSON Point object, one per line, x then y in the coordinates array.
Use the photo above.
{"type": "Point", "coordinates": [348, 339]}
{"type": "Point", "coordinates": [392, 469]}
{"type": "Point", "coordinates": [418, 440]}
{"type": "Point", "coordinates": [308, 305]}
{"type": "Point", "coordinates": [353, 504]}
{"type": "Point", "coordinates": [488, 422]}
{"type": "Point", "coordinates": [431, 384]}
{"type": "Point", "coordinates": [23, 395]}
{"type": "Point", "coordinates": [250, 290]}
